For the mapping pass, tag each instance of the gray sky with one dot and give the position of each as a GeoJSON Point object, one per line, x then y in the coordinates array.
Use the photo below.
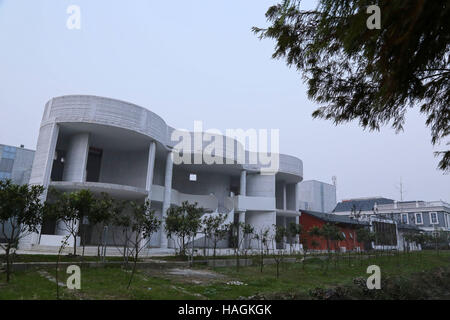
{"type": "Point", "coordinates": [197, 60]}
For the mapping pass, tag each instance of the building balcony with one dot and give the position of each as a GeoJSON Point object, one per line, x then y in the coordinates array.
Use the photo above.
{"type": "Point", "coordinates": [246, 203]}
{"type": "Point", "coordinates": [123, 192]}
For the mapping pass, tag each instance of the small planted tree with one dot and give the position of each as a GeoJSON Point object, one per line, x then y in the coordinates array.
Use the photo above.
{"type": "Point", "coordinates": [278, 255]}
{"type": "Point", "coordinates": [263, 238]}
{"type": "Point", "coordinates": [365, 237]}
{"type": "Point", "coordinates": [121, 221]}
{"type": "Point", "coordinates": [293, 233]}
{"type": "Point", "coordinates": [183, 223]}
{"type": "Point", "coordinates": [84, 203]}
{"type": "Point", "coordinates": [21, 209]}
{"type": "Point", "coordinates": [329, 233]}
{"type": "Point", "coordinates": [337, 236]}
{"type": "Point", "coordinates": [70, 209]}
{"type": "Point", "coordinates": [215, 230]}
{"type": "Point", "coordinates": [101, 216]}
{"type": "Point", "coordinates": [240, 231]}
{"type": "Point", "coordinates": [314, 232]}
{"type": "Point", "coordinates": [143, 224]}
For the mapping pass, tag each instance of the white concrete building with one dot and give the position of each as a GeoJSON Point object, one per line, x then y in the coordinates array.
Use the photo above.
{"type": "Point", "coordinates": [317, 196]}
{"type": "Point", "coordinates": [106, 145]}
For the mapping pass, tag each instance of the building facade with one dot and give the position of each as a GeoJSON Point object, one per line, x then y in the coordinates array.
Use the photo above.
{"type": "Point", "coordinates": [129, 152]}
{"type": "Point", "coordinates": [317, 196]}
{"type": "Point", "coordinates": [347, 227]}
{"type": "Point", "coordinates": [15, 164]}
{"type": "Point", "coordinates": [428, 216]}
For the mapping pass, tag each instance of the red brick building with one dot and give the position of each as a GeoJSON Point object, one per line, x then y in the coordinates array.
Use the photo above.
{"type": "Point", "coordinates": [347, 226]}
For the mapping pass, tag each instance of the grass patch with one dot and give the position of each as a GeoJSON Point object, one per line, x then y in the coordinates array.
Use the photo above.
{"type": "Point", "coordinates": [156, 284]}
{"type": "Point", "coordinates": [54, 258]}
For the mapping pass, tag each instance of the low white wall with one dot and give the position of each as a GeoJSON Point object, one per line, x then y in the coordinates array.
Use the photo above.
{"type": "Point", "coordinates": [243, 203]}
{"type": "Point", "coordinates": [55, 240]}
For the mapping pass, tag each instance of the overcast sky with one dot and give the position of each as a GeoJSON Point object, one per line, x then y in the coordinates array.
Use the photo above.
{"type": "Point", "coordinates": [192, 60]}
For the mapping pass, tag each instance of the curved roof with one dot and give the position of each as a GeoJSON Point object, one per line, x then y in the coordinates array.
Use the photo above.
{"type": "Point", "coordinates": [103, 111]}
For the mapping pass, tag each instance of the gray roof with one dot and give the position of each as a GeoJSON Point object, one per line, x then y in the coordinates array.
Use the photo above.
{"type": "Point", "coordinates": [329, 217]}
{"type": "Point", "coordinates": [360, 204]}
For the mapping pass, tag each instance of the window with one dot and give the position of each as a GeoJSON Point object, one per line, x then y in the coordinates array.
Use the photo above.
{"type": "Point", "coordinates": [434, 218]}
{"type": "Point", "coordinates": [343, 234]}
{"type": "Point", "coordinates": [351, 235]}
{"type": "Point", "coordinates": [192, 177]}
{"type": "Point", "coordinates": [405, 218]}
{"type": "Point", "coordinates": [419, 219]}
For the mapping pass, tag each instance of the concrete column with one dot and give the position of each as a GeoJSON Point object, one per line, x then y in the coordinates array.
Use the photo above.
{"type": "Point", "coordinates": [243, 183]}
{"type": "Point", "coordinates": [285, 225]}
{"type": "Point", "coordinates": [43, 160]}
{"type": "Point", "coordinates": [51, 155]}
{"type": "Point", "coordinates": [149, 179]}
{"type": "Point", "coordinates": [150, 167]}
{"type": "Point", "coordinates": [261, 186]}
{"type": "Point", "coordinates": [297, 201]}
{"type": "Point", "coordinates": [243, 192]}
{"type": "Point", "coordinates": [167, 197]}
{"type": "Point", "coordinates": [61, 228]}
{"type": "Point", "coordinates": [76, 158]}
{"type": "Point", "coordinates": [75, 168]}
{"type": "Point", "coordinates": [241, 234]}
{"type": "Point", "coordinates": [284, 196]}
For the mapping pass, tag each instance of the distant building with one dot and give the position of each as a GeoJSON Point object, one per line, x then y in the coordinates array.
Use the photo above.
{"type": "Point", "coordinates": [15, 163]}
{"type": "Point", "coordinates": [403, 243]}
{"type": "Point", "coordinates": [317, 196]}
{"type": "Point", "coordinates": [428, 216]}
{"type": "Point", "coordinates": [363, 206]}
{"type": "Point", "coordinates": [347, 226]}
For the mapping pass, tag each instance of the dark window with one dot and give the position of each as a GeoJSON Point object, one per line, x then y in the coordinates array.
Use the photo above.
{"type": "Point", "coordinates": [58, 166]}
{"type": "Point", "coordinates": [48, 226]}
{"type": "Point", "coordinates": [93, 165]}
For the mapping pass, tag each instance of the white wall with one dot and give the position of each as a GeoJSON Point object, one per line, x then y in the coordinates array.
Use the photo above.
{"type": "Point", "coordinates": [125, 168]}
{"type": "Point", "coordinates": [207, 183]}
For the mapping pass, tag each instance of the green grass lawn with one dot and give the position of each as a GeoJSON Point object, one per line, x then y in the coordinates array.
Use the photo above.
{"type": "Point", "coordinates": [53, 258]}
{"type": "Point", "coordinates": [111, 282]}
{"type": "Point", "coordinates": [294, 280]}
